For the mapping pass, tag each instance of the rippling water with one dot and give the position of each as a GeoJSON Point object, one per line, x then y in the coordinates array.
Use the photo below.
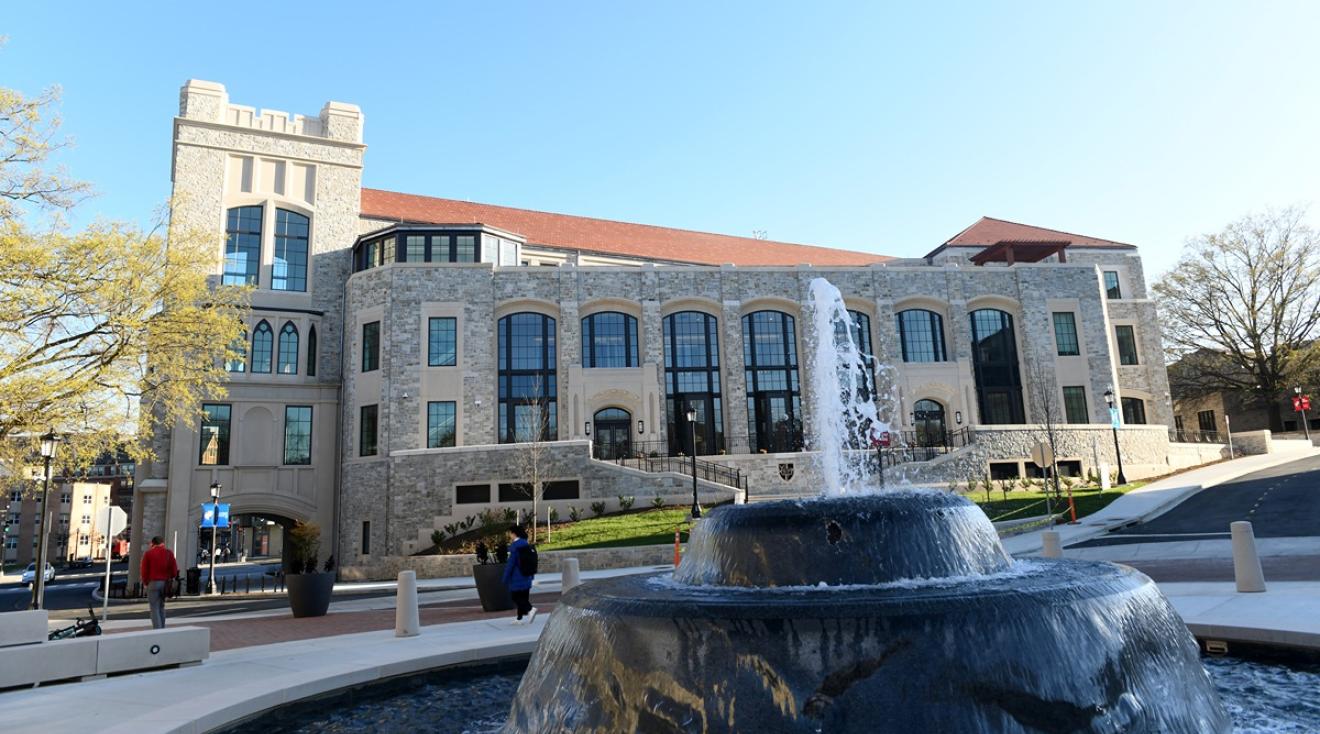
{"type": "Point", "coordinates": [1262, 698]}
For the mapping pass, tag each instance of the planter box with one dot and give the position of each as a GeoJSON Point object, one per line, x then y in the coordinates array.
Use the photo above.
{"type": "Point", "coordinates": [490, 587]}
{"type": "Point", "coordinates": [309, 593]}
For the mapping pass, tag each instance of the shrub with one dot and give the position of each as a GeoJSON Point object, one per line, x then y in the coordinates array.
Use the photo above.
{"type": "Point", "coordinates": [598, 508]}
{"type": "Point", "coordinates": [626, 503]}
{"type": "Point", "coordinates": [553, 514]}
{"type": "Point", "coordinates": [657, 502]}
{"type": "Point", "coordinates": [437, 537]}
{"type": "Point", "coordinates": [451, 529]}
{"type": "Point", "coordinates": [304, 545]}
{"type": "Point", "coordinates": [510, 515]}
{"type": "Point", "coordinates": [467, 522]}
{"type": "Point", "coordinates": [574, 514]}
{"type": "Point", "coordinates": [329, 564]}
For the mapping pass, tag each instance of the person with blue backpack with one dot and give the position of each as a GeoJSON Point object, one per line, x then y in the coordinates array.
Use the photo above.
{"type": "Point", "coordinates": [519, 572]}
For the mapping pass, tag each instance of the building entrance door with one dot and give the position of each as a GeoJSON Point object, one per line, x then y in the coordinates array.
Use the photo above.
{"type": "Point", "coordinates": [777, 426]}
{"type": "Point", "coordinates": [928, 419]}
{"type": "Point", "coordinates": [612, 438]}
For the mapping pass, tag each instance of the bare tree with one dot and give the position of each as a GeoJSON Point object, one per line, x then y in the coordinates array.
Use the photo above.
{"type": "Point", "coordinates": [533, 434]}
{"type": "Point", "coordinates": [1041, 389]}
{"type": "Point", "coordinates": [1241, 309]}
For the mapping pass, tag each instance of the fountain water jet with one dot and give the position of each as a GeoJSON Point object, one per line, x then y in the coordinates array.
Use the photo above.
{"type": "Point", "coordinates": [864, 612]}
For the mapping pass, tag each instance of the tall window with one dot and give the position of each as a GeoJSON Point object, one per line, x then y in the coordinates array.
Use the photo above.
{"type": "Point", "coordinates": [609, 339]}
{"type": "Point", "coordinates": [239, 362]}
{"type": "Point", "coordinates": [442, 342]}
{"type": "Point", "coordinates": [289, 270]}
{"type": "Point", "coordinates": [1205, 419]}
{"type": "Point", "coordinates": [921, 334]}
{"type": "Point", "coordinates": [1134, 411]}
{"type": "Point", "coordinates": [465, 248]}
{"type": "Point", "coordinates": [774, 410]}
{"type": "Point", "coordinates": [527, 378]}
{"type": "Point", "coordinates": [371, 346]}
{"type": "Point", "coordinates": [367, 430]}
{"type": "Point", "coordinates": [1065, 333]}
{"type": "Point", "coordinates": [1111, 284]}
{"type": "Point", "coordinates": [439, 424]}
{"type": "Point", "coordinates": [414, 248]}
{"type": "Point", "coordinates": [242, 245]}
{"type": "Point", "coordinates": [1074, 405]}
{"type": "Point", "coordinates": [995, 363]}
{"type": "Point", "coordinates": [1127, 344]}
{"type": "Point", "coordinates": [297, 434]}
{"type": "Point", "coordinates": [311, 351]}
{"type": "Point", "coordinates": [288, 355]}
{"type": "Point", "coordinates": [213, 449]}
{"type": "Point", "coordinates": [262, 346]}
{"type": "Point", "coordinates": [692, 381]}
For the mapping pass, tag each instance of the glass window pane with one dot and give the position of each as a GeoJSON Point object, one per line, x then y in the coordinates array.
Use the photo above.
{"type": "Point", "coordinates": [288, 354]}
{"type": "Point", "coordinates": [1127, 345]}
{"type": "Point", "coordinates": [370, 346]}
{"type": "Point", "coordinates": [1074, 405]}
{"type": "Point", "coordinates": [921, 335]}
{"type": "Point", "coordinates": [213, 449]}
{"type": "Point", "coordinates": [440, 424]}
{"type": "Point", "coordinates": [414, 250]}
{"type": "Point", "coordinates": [289, 267]}
{"type": "Point", "coordinates": [298, 434]}
{"type": "Point", "coordinates": [1111, 285]}
{"type": "Point", "coordinates": [1065, 334]}
{"type": "Point", "coordinates": [242, 245]}
{"type": "Point", "coordinates": [262, 346]}
{"type": "Point", "coordinates": [442, 342]}
{"type": "Point", "coordinates": [526, 376]}
{"type": "Point", "coordinates": [367, 430]}
{"type": "Point", "coordinates": [465, 248]}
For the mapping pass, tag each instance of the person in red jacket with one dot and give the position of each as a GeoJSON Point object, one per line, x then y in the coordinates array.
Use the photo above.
{"type": "Point", "coordinates": [158, 570]}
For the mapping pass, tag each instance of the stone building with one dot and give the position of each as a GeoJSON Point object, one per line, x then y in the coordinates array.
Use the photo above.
{"type": "Point", "coordinates": [403, 351]}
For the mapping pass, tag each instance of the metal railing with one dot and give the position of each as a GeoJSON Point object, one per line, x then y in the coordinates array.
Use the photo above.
{"type": "Point", "coordinates": [1178, 436]}
{"type": "Point", "coordinates": [706, 470]}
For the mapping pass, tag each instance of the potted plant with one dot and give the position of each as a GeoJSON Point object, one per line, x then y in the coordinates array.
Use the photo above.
{"type": "Point", "coordinates": [488, 573]}
{"type": "Point", "coordinates": [309, 589]}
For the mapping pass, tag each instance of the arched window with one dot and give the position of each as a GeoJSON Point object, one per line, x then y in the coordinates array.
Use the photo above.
{"type": "Point", "coordinates": [928, 422]}
{"type": "Point", "coordinates": [242, 246]}
{"type": "Point", "coordinates": [289, 269]}
{"type": "Point", "coordinates": [609, 339]}
{"type": "Point", "coordinates": [311, 351]}
{"type": "Point", "coordinates": [774, 410]}
{"type": "Point", "coordinates": [239, 363]}
{"type": "Point", "coordinates": [995, 362]}
{"type": "Point", "coordinates": [527, 379]}
{"type": "Point", "coordinates": [288, 355]}
{"type": "Point", "coordinates": [613, 433]}
{"type": "Point", "coordinates": [921, 334]}
{"type": "Point", "coordinates": [692, 381]}
{"type": "Point", "coordinates": [261, 347]}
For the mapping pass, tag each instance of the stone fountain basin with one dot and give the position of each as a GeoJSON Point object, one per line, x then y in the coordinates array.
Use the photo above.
{"type": "Point", "coordinates": [1044, 646]}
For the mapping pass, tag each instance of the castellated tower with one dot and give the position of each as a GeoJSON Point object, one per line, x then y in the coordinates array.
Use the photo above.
{"type": "Point", "coordinates": [280, 194]}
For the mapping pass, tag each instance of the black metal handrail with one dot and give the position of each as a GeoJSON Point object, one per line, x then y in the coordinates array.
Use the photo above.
{"type": "Point", "coordinates": [1178, 436]}
{"type": "Point", "coordinates": [707, 470]}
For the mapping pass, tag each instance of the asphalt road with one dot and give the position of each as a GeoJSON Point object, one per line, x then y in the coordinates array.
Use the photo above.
{"type": "Point", "coordinates": [1282, 502]}
{"type": "Point", "coordinates": [73, 590]}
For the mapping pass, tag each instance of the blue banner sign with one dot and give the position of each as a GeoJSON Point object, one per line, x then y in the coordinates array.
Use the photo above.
{"type": "Point", "coordinates": [208, 515]}
{"type": "Point", "coordinates": [1113, 418]}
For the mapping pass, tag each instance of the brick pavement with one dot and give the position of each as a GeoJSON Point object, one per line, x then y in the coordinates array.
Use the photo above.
{"type": "Point", "coordinates": [229, 634]}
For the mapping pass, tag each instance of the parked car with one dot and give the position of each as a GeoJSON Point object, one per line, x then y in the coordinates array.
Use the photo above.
{"type": "Point", "coordinates": [84, 562]}
{"type": "Point", "coordinates": [31, 573]}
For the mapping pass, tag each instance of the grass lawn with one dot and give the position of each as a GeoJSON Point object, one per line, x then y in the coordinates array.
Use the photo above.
{"type": "Point", "coordinates": [1023, 503]}
{"type": "Point", "coordinates": [647, 527]}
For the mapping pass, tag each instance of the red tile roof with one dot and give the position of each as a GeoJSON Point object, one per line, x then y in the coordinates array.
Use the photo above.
{"type": "Point", "coordinates": [605, 236]}
{"type": "Point", "coordinates": [989, 231]}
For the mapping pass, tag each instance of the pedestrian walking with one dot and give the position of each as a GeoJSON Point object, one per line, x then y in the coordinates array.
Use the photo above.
{"type": "Point", "coordinates": [159, 570]}
{"type": "Point", "coordinates": [519, 572]}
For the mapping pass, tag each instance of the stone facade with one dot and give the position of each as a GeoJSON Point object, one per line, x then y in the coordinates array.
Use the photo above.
{"type": "Point", "coordinates": [385, 504]}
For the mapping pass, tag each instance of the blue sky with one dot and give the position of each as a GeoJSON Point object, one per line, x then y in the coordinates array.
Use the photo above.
{"type": "Point", "coordinates": [863, 126]}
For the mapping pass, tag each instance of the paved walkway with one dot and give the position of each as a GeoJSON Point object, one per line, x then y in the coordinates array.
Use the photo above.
{"type": "Point", "coordinates": [1287, 613]}
{"type": "Point", "coordinates": [1153, 499]}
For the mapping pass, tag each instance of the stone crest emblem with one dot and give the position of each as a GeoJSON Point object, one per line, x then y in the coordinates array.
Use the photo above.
{"type": "Point", "coordinates": [786, 472]}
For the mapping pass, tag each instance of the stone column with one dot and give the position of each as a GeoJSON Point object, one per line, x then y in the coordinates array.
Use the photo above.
{"type": "Point", "coordinates": [733, 383]}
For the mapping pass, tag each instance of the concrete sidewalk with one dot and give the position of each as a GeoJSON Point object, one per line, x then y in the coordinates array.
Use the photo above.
{"type": "Point", "coordinates": [1286, 614]}
{"type": "Point", "coordinates": [1221, 548]}
{"type": "Point", "coordinates": [1153, 500]}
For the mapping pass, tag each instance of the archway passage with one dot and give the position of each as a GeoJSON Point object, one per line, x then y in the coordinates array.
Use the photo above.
{"type": "Point", "coordinates": [928, 420]}
{"type": "Point", "coordinates": [612, 436]}
{"type": "Point", "coordinates": [249, 537]}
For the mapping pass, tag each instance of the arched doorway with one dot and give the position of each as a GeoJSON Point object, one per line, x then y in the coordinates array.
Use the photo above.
{"type": "Point", "coordinates": [928, 422]}
{"type": "Point", "coordinates": [249, 537]}
{"type": "Point", "coordinates": [612, 438]}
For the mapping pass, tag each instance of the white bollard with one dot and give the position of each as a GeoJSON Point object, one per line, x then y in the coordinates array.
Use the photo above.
{"type": "Point", "coordinates": [1050, 545]}
{"type": "Point", "coordinates": [570, 575]}
{"type": "Point", "coordinates": [407, 623]}
{"type": "Point", "coordinates": [1246, 563]}
{"type": "Point", "coordinates": [1104, 477]}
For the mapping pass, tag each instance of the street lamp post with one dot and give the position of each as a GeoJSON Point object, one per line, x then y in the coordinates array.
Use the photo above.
{"type": "Point", "coordinates": [1302, 403]}
{"type": "Point", "coordinates": [692, 428]}
{"type": "Point", "coordinates": [1109, 398]}
{"type": "Point", "coordinates": [48, 444]}
{"type": "Point", "coordinates": [215, 524]}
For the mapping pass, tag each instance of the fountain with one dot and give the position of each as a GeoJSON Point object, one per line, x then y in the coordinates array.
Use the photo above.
{"type": "Point", "coordinates": [888, 611]}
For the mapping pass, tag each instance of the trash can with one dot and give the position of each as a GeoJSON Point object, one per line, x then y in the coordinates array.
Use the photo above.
{"type": "Point", "coordinates": [194, 581]}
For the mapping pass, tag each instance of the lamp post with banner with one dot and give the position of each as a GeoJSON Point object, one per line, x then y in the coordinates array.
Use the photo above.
{"type": "Point", "coordinates": [1301, 404]}
{"type": "Point", "coordinates": [1115, 420]}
